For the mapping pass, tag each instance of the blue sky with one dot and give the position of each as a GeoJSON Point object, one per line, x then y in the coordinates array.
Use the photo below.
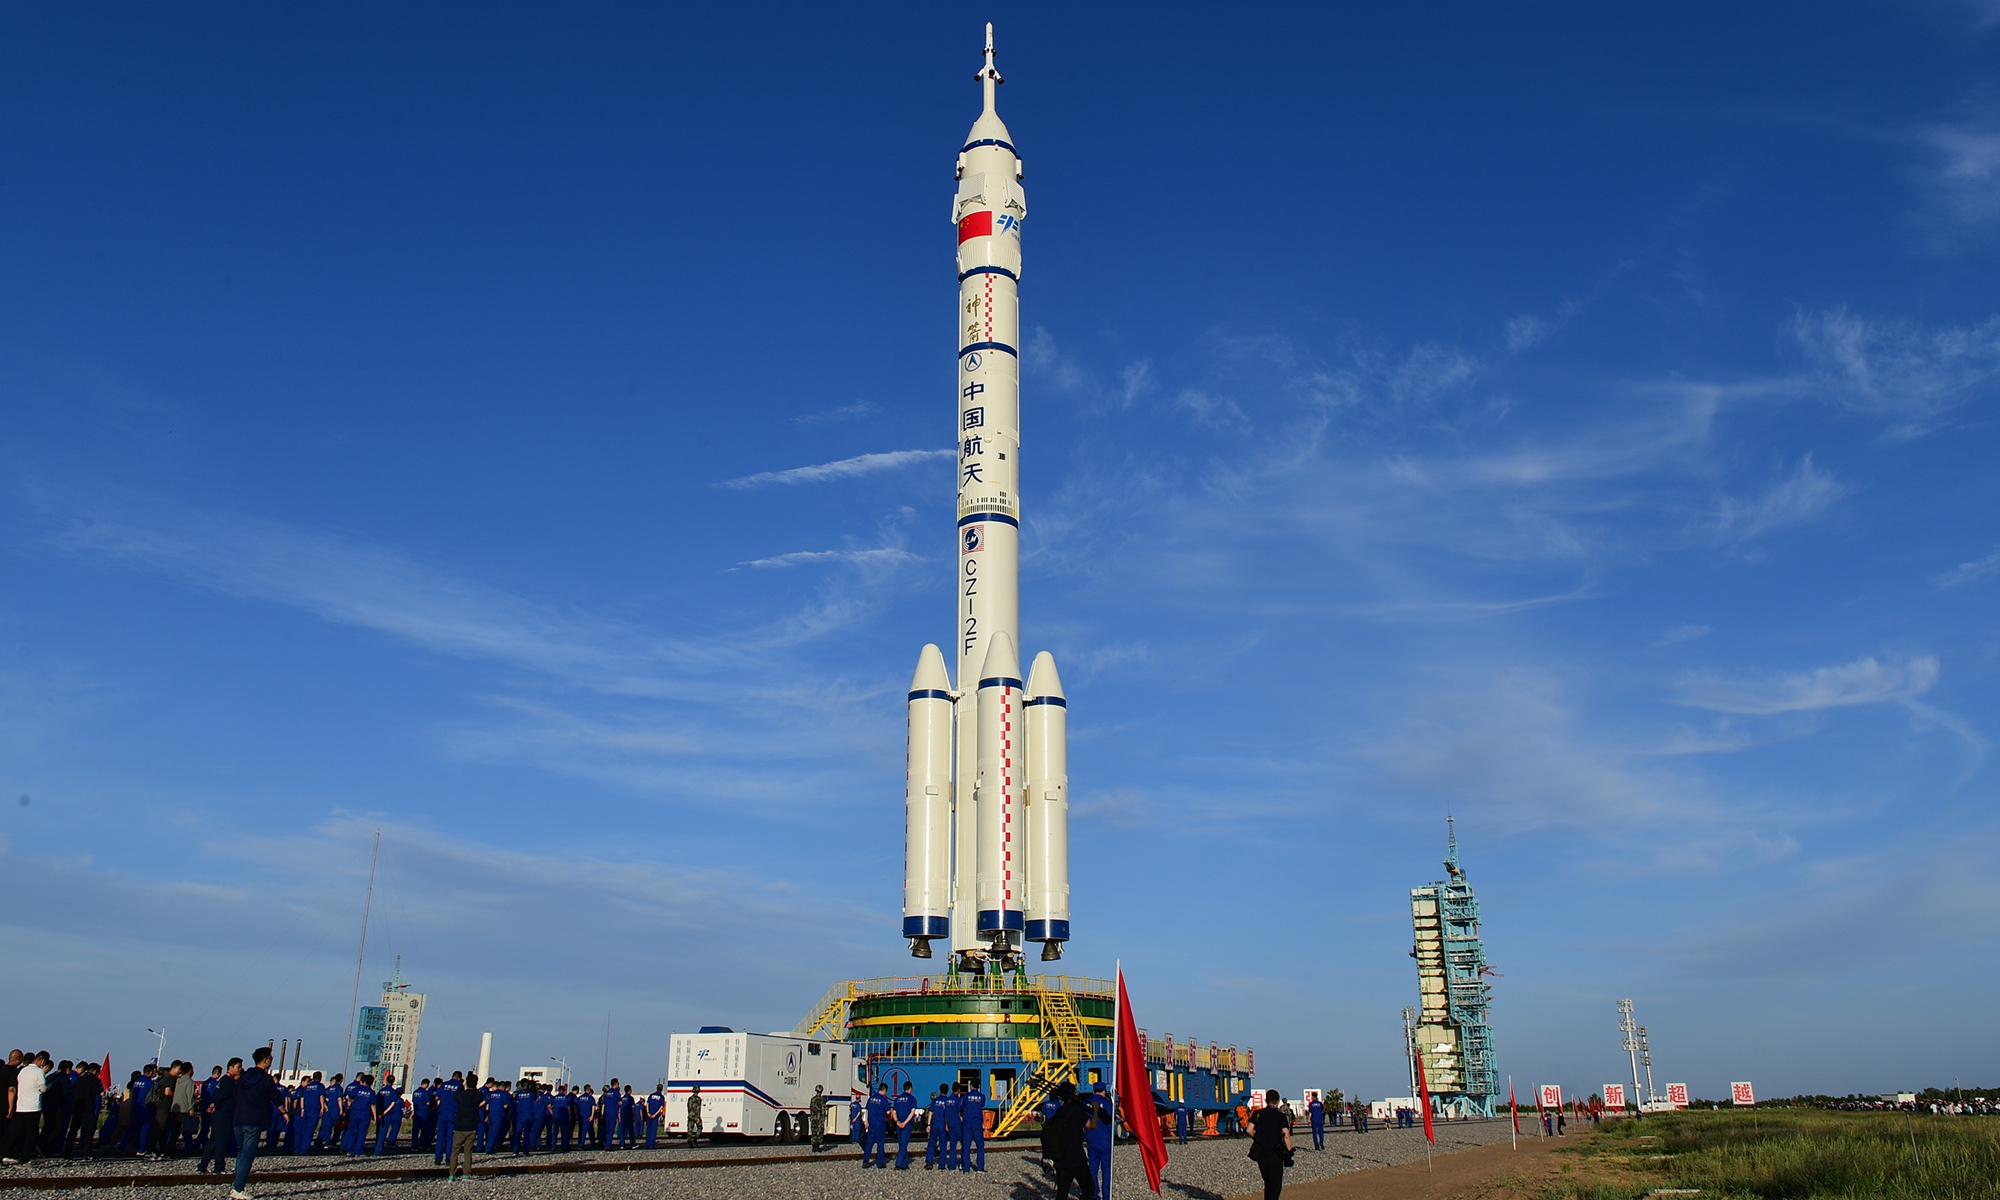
{"type": "Point", "coordinates": [522, 430]}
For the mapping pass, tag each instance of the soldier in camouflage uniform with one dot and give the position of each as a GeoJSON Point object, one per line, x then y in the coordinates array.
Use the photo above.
{"type": "Point", "coordinates": [818, 1116]}
{"type": "Point", "coordinates": [694, 1114]}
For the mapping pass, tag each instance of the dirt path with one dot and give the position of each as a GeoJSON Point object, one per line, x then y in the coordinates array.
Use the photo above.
{"type": "Point", "coordinates": [1489, 1173]}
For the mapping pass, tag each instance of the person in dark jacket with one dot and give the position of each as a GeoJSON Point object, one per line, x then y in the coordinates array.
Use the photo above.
{"type": "Point", "coordinates": [464, 1128]}
{"type": "Point", "coordinates": [1271, 1144]}
{"type": "Point", "coordinates": [256, 1097]}
{"type": "Point", "coordinates": [84, 1092]}
{"type": "Point", "coordinates": [220, 1111]}
{"type": "Point", "coordinates": [1063, 1137]}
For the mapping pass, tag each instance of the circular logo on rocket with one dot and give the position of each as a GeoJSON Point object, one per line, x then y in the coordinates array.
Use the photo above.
{"type": "Point", "coordinates": [972, 361]}
{"type": "Point", "coordinates": [975, 538]}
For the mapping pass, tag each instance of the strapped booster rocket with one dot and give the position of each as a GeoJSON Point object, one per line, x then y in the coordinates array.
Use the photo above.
{"type": "Point", "coordinates": [986, 849]}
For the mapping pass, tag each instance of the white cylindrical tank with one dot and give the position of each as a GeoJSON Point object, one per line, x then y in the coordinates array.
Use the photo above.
{"type": "Point", "coordinates": [1047, 713]}
{"type": "Point", "coordinates": [1002, 786]}
{"type": "Point", "coordinates": [927, 805]}
{"type": "Point", "coordinates": [485, 1056]}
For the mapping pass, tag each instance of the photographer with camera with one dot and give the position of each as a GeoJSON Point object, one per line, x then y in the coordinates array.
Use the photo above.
{"type": "Point", "coordinates": [1271, 1143]}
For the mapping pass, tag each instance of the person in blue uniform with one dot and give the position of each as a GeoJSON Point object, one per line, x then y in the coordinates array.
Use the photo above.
{"type": "Point", "coordinates": [656, 1103]}
{"type": "Point", "coordinates": [629, 1109]}
{"type": "Point", "coordinates": [312, 1105]}
{"type": "Point", "coordinates": [360, 1107]}
{"type": "Point", "coordinates": [857, 1128]}
{"type": "Point", "coordinates": [586, 1111]}
{"type": "Point", "coordinates": [934, 1143]}
{"type": "Point", "coordinates": [610, 1106]}
{"type": "Point", "coordinates": [954, 1123]}
{"type": "Point", "coordinates": [561, 1109]}
{"type": "Point", "coordinates": [204, 1093]}
{"type": "Point", "coordinates": [877, 1145]}
{"type": "Point", "coordinates": [388, 1113]}
{"type": "Point", "coordinates": [1317, 1111]}
{"type": "Point", "coordinates": [972, 1118]}
{"type": "Point", "coordinates": [906, 1119]}
{"type": "Point", "coordinates": [335, 1103]}
{"type": "Point", "coordinates": [525, 1124]}
{"type": "Point", "coordinates": [447, 1095]}
{"type": "Point", "coordinates": [278, 1134]}
{"type": "Point", "coordinates": [1097, 1138]}
{"type": "Point", "coordinates": [1180, 1121]}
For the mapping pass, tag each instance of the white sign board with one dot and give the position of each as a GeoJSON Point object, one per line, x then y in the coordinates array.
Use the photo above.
{"type": "Point", "coordinates": [1741, 1093]}
{"type": "Point", "coordinates": [1614, 1095]}
{"type": "Point", "coordinates": [1552, 1096]}
{"type": "Point", "coordinates": [1677, 1093]}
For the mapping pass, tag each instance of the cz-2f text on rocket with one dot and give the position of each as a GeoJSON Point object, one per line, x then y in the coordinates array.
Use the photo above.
{"type": "Point", "coordinates": [986, 849]}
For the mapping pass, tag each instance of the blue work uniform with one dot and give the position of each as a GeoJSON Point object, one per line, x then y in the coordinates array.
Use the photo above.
{"type": "Point", "coordinates": [1097, 1141]}
{"type": "Point", "coordinates": [1317, 1112]}
{"type": "Point", "coordinates": [499, 1115]}
{"type": "Point", "coordinates": [934, 1143]}
{"type": "Point", "coordinates": [954, 1112]}
{"type": "Point", "coordinates": [446, 1116]}
{"type": "Point", "coordinates": [905, 1105]}
{"type": "Point", "coordinates": [527, 1122]}
{"type": "Point", "coordinates": [855, 1129]}
{"type": "Point", "coordinates": [584, 1105]}
{"type": "Point", "coordinates": [972, 1131]}
{"type": "Point", "coordinates": [656, 1103]}
{"type": "Point", "coordinates": [878, 1130]}
{"type": "Point", "coordinates": [360, 1106]}
{"type": "Point", "coordinates": [301, 1123]}
{"type": "Point", "coordinates": [207, 1092]}
{"type": "Point", "coordinates": [1180, 1121]}
{"type": "Point", "coordinates": [562, 1111]}
{"type": "Point", "coordinates": [312, 1105]}
{"type": "Point", "coordinates": [328, 1116]}
{"type": "Point", "coordinates": [628, 1120]}
{"type": "Point", "coordinates": [388, 1116]}
{"type": "Point", "coordinates": [610, 1106]}
{"type": "Point", "coordinates": [420, 1115]}
{"type": "Point", "coordinates": [281, 1121]}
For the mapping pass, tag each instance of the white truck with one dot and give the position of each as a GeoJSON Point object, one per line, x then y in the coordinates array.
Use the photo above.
{"type": "Point", "coordinates": [759, 1085]}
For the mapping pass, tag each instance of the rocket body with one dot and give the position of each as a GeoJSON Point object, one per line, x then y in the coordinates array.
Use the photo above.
{"type": "Point", "coordinates": [993, 865]}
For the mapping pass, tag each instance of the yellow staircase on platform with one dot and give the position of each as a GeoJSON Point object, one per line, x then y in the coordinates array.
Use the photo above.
{"type": "Point", "coordinates": [828, 1018]}
{"type": "Point", "coordinates": [1060, 1055]}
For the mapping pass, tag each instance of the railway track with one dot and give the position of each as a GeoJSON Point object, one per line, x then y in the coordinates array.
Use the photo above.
{"type": "Point", "coordinates": [489, 1169]}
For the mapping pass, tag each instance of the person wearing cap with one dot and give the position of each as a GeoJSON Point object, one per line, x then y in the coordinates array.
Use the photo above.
{"type": "Point", "coordinates": [816, 1115]}
{"type": "Point", "coordinates": [1097, 1140]}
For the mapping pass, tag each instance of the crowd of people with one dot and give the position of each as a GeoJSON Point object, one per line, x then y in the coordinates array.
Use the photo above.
{"type": "Point", "coordinates": [69, 1109]}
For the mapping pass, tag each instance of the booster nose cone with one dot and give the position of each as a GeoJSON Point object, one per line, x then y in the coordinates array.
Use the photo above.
{"type": "Point", "coordinates": [1043, 682]}
{"type": "Point", "coordinates": [931, 675]}
{"type": "Point", "coordinates": [1002, 666]}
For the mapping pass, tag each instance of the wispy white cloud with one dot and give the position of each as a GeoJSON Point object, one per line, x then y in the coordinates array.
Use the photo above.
{"type": "Point", "coordinates": [1960, 179]}
{"type": "Point", "coordinates": [1682, 633]}
{"type": "Point", "coordinates": [1528, 330]}
{"type": "Point", "coordinates": [848, 412]}
{"type": "Point", "coordinates": [1966, 572]}
{"type": "Point", "coordinates": [802, 558]}
{"type": "Point", "coordinates": [1896, 369]}
{"type": "Point", "coordinates": [1866, 680]}
{"type": "Point", "coordinates": [1798, 497]}
{"type": "Point", "coordinates": [846, 468]}
{"type": "Point", "coordinates": [1211, 412]}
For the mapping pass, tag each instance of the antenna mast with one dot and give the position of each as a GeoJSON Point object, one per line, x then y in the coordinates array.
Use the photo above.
{"type": "Point", "coordinates": [367, 905]}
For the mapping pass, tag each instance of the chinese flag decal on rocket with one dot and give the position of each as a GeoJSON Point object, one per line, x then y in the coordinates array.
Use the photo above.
{"type": "Point", "coordinates": [979, 224]}
{"type": "Point", "coordinates": [1135, 1090]}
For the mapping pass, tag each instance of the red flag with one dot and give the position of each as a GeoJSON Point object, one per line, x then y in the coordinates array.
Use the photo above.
{"type": "Point", "coordinates": [104, 1073]}
{"type": "Point", "coordinates": [1424, 1097]}
{"type": "Point", "coordinates": [1513, 1108]}
{"type": "Point", "coordinates": [1135, 1088]}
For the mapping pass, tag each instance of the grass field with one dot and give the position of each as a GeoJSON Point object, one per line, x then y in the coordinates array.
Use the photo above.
{"type": "Point", "coordinates": [1789, 1154]}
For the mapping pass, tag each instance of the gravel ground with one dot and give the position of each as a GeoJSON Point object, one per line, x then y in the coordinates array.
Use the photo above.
{"type": "Point", "coordinates": [1201, 1170]}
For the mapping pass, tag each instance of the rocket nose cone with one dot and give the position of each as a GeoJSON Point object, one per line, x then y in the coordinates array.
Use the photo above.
{"type": "Point", "coordinates": [930, 676]}
{"type": "Point", "coordinates": [1042, 678]}
{"type": "Point", "coordinates": [1001, 661]}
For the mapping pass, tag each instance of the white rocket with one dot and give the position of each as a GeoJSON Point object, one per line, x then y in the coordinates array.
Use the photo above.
{"type": "Point", "coordinates": [986, 851]}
